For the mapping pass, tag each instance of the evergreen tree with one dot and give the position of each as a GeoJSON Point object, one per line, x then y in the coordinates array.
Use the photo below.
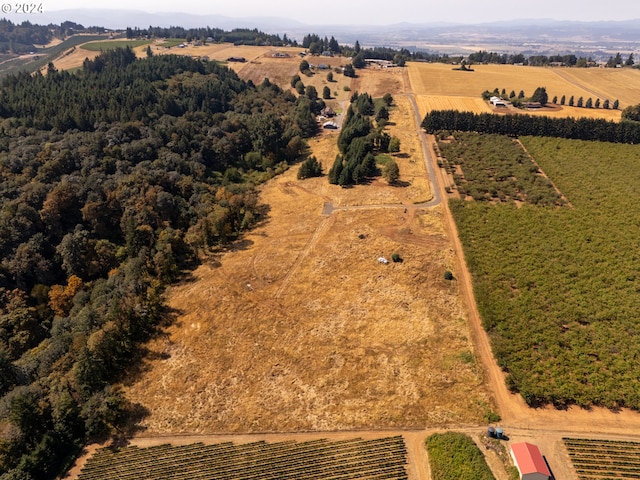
{"type": "Point", "coordinates": [580, 103]}
{"type": "Point", "coordinates": [311, 92]}
{"type": "Point", "coordinates": [311, 167]}
{"type": "Point", "coordinates": [629, 62]}
{"type": "Point", "coordinates": [358, 61]}
{"type": "Point", "coordinates": [589, 103]}
{"type": "Point", "coordinates": [383, 114]}
{"type": "Point", "coordinates": [605, 104]}
{"type": "Point", "coordinates": [349, 71]}
{"type": "Point", "coordinates": [563, 99]}
{"type": "Point", "coordinates": [394, 145]}
{"type": "Point", "coordinates": [391, 172]}
{"type": "Point", "coordinates": [336, 170]}
{"type": "Point", "coordinates": [326, 93]}
{"type": "Point", "coordinates": [540, 95]}
{"type": "Point", "coordinates": [571, 101]}
{"type": "Point", "coordinates": [616, 104]}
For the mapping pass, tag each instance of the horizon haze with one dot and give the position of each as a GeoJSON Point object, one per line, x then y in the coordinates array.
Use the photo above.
{"type": "Point", "coordinates": [359, 12]}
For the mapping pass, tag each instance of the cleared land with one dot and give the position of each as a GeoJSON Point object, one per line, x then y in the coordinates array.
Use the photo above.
{"type": "Point", "coordinates": [299, 327]}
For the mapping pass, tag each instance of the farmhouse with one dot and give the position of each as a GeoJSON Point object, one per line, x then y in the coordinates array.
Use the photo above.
{"type": "Point", "coordinates": [328, 112]}
{"type": "Point", "coordinates": [497, 102]}
{"type": "Point", "coordinates": [529, 461]}
{"type": "Point", "coordinates": [379, 63]}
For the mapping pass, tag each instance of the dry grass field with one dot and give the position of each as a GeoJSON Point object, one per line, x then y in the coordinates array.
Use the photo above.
{"type": "Point", "coordinates": [299, 327]}
{"type": "Point", "coordinates": [439, 80]}
{"type": "Point", "coordinates": [378, 81]}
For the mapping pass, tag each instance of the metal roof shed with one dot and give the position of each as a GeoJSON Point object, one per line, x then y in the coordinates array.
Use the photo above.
{"type": "Point", "coordinates": [529, 462]}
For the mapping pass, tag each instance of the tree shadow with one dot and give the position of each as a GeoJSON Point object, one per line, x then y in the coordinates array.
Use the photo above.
{"type": "Point", "coordinates": [400, 184]}
{"type": "Point", "coordinates": [402, 155]}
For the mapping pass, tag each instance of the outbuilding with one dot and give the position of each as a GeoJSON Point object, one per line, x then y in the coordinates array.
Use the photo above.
{"type": "Point", "coordinates": [529, 462]}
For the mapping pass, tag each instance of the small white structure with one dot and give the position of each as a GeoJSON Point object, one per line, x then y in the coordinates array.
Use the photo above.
{"type": "Point", "coordinates": [497, 102]}
{"type": "Point", "coordinates": [529, 462]}
{"type": "Point", "coordinates": [330, 125]}
{"type": "Point", "coordinates": [383, 260]}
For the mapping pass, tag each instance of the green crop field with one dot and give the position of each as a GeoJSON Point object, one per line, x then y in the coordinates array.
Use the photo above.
{"type": "Point", "coordinates": [112, 45]}
{"type": "Point", "coordinates": [455, 456]}
{"type": "Point", "coordinates": [381, 459]}
{"type": "Point", "coordinates": [558, 288]}
{"type": "Point", "coordinates": [604, 459]}
{"type": "Point", "coordinates": [496, 168]}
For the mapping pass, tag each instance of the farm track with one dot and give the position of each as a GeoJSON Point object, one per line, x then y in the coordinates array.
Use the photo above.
{"type": "Point", "coordinates": [575, 83]}
{"type": "Point", "coordinates": [321, 230]}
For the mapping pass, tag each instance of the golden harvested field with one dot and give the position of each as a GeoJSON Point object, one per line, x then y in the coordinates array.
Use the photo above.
{"type": "Point", "coordinates": [426, 103]}
{"type": "Point", "coordinates": [612, 83]}
{"type": "Point", "coordinates": [441, 80]}
{"type": "Point", "coordinates": [72, 58]}
{"type": "Point", "coordinates": [301, 328]}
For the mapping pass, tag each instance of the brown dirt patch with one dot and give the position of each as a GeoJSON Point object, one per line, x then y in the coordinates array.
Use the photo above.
{"type": "Point", "coordinates": [377, 81]}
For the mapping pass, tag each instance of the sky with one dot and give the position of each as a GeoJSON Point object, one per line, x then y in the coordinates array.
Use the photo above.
{"type": "Point", "coordinates": [369, 12]}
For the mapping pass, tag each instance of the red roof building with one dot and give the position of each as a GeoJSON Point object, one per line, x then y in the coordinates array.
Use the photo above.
{"type": "Point", "coordinates": [529, 462]}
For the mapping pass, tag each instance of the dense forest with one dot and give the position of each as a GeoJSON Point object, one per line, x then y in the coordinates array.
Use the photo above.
{"type": "Point", "coordinates": [114, 180]}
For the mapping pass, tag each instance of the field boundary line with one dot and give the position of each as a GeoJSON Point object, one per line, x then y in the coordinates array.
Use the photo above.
{"type": "Point", "coordinates": [322, 228]}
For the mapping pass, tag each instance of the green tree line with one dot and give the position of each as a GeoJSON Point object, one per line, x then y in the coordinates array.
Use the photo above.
{"type": "Point", "coordinates": [580, 128]}
{"type": "Point", "coordinates": [237, 36]}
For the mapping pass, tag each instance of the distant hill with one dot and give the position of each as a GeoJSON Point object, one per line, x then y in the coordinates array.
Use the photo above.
{"type": "Point", "coordinates": [115, 19]}
{"type": "Point", "coordinates": [530, 36]}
